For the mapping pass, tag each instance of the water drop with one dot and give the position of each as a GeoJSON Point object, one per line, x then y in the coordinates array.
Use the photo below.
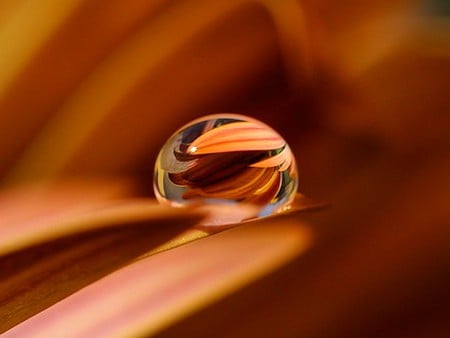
{"type": "Point", "coordinates": [235, 164]}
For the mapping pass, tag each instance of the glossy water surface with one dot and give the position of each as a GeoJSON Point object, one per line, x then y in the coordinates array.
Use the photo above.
{"type": "Point", "coordinates": [229, 160]}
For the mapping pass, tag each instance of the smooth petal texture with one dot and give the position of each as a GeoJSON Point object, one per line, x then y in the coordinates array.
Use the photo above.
{"type": "Point", "coordinates": [376, 269]}
{"type": "Point", "coordinates": [398, 102]}
{"type": "Point", "coordinates": [239, 136]}
{"type": "Point", "coordinates": [348, 37]}
{"type": "Point", "coordinates": [33, 212]}
{"type": "Point", "coordinates": [291, 22]}
{"type": "Point", "coordinates": [136, 84]}
{"type": "Point", "coordinates": [303, 203]}
{"type": "Point", "coordinates": [358, 89]}
{"type": "Point", "coordinates": [97, 215]}
{"type": "Point", "coordinates": [47, 258]}
{"type": "Point", "coordinates": [155, 292]}
{"type": "Point", "coordinates": [300, 204]}
{"type": "Point", "coordinates": [126, 89]}
{"type": "Point", "coordinates": [283, 159]}
{"type": "Point", "coordinates": [49, 48]}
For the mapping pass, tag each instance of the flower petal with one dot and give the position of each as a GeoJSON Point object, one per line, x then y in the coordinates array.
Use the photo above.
{"type": "Point", "coordinates": [150, 294]}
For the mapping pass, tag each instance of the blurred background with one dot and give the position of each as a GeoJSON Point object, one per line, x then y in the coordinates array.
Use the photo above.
{"type": "Point", "coordinates": [90, 90]}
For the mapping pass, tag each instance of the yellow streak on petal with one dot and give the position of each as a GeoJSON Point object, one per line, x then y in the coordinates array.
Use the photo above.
{"type": "Point", "coordinates": [20, 39]}
{"type": "Point", "coordinates": [173, 284]}
{"type": "Point", "coordinates": [269, 184]}
{"type": "Point", "coordinates": [165, 47]}
{"type": "Point", "coordinates": [186, 237]}
{"type": "Point", "coordinates": [284, 159]}
{"type": "Point", "coordinates": [102, 214]}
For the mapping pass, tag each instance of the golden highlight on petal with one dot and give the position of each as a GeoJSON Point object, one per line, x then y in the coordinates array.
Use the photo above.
{"type": "Point", "coordinates": [284, 160]}
{"type": "Point", "coordinates": [147, 298]}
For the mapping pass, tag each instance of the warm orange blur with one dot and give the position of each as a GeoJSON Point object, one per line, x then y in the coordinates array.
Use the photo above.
{"type": "Point", "coordinates": [90, 90]}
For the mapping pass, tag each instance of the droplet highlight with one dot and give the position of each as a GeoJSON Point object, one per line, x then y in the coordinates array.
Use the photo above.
{"type": "Point", "coordinates": [236, 164]}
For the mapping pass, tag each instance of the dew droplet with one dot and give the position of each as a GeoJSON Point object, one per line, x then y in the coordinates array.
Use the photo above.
{"type": "Point", "coordinates": [235, 164]}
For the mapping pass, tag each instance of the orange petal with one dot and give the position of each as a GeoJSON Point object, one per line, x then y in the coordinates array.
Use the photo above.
{"type": "Point", "coordinates": [238, 136]}
{"type": "Point", "coordinates": [153, 293]}
{"type": "Point", "coordinates": [67, 255]}
{"type": "Point", "coordinates": [283, 159]}
{"type": "Point", "coordinates": [108, 123]}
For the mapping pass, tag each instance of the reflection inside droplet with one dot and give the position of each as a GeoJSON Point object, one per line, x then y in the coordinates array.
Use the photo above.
{"type": "Point", "coordinates": [235, 164]}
